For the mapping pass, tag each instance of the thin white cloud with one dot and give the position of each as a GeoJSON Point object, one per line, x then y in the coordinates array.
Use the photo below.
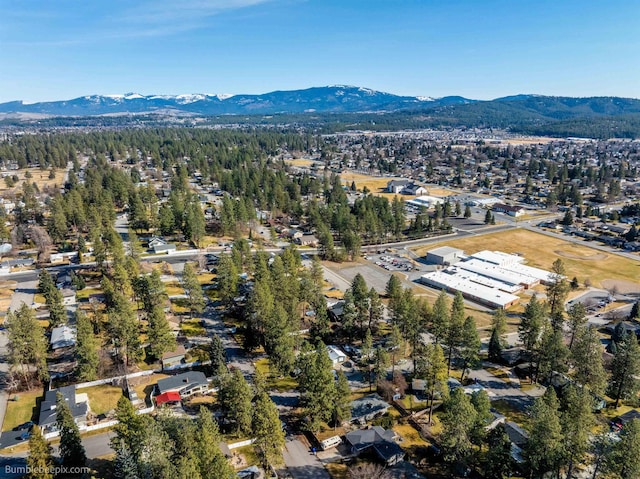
{"type": "Point", "coordinates": [150, 18]}
{"type": "Point", "coordinates": [160, 12]}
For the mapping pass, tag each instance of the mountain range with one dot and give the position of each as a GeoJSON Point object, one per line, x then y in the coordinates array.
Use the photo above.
{"type": "Point", "coordinates": [594, 116]}
{"type": "Point", "coordinates": [330, 99]}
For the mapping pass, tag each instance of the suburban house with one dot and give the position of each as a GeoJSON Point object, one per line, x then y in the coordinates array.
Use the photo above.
{"type": "Point", "coordinates": [171, 398]}
{"type": "Point", "coordinates": [415, 190]}
{"type": "Point", "coordinates": [68, 297]}
{"type": "Point", "coordinates": [187, 384]}
{"type": "Point", "coordinates": [396, 186]}
{"type": "Point", "coordinates": [307, 240]}
{"type": "Point", "coordinates": [336, 355]}
{"type": "Point", "coordinates": [368, 408]}
{"type": "Point", "coordinates": [78, 403]}
{"type": "Point", "coordinates": [335, 310]}
{"type": "Point", "coordinates": [63, 280]}
{"type": "Point", "coordinates": [156, 241]}
{"type": "Point", "coordinates": [405, 187]}
{"type": "Point", "coordinates": [378, 440]}
{"type": "Point", "coordinates": [508, 209]}
{"type": "Point", "coordinates": [62, 337]}
{"type": "Point", "coordinates": [164, 249]}
{"type": "Point", "coordinates": [518, 438]}
{"type": "Point", "coordinates": [173, 358]}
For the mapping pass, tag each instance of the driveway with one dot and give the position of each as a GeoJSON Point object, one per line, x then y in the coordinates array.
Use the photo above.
{"type": "Point", "coordinates": [237, 357]}
{"type": "Point", "coordinates": [507, 391]}
{"type": "Point", "coordinates": [24, 293]}
{"type": "Point", "coordinates": [301, 463]}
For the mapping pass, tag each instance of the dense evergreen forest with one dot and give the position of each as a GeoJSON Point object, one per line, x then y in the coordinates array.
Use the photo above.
{"type": "Point", "coordinates": [241, 164]}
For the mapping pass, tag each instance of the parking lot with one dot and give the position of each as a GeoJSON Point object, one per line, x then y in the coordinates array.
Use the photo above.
{"type": "Point", "coordinates": [391, 262]}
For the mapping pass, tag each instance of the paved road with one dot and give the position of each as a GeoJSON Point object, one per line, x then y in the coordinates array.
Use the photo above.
{"type": "Point", "coordinates": [23, 294]}
{"type": "Point", "coordinates": [508, 391]}
{"type": "Point", "coordinates": [301, 463]}
{"type": "Point", "coordinates": [237, 357]}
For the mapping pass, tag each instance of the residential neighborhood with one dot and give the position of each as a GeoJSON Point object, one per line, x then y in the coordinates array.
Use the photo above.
{"type": "Point", "coordinates": [424, 309]}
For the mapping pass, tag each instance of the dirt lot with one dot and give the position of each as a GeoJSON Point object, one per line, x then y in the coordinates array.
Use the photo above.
{"type": "Point", "coordinates": [541, 251]}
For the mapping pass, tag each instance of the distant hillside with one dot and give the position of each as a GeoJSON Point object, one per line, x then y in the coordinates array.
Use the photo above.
{"type": "Point", "coordinates": [337, 108]}
{"type": "Point", "coordinates": [330, 99]}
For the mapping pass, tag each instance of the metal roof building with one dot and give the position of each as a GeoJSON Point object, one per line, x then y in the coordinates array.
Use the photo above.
{"type": "Point", "coordinates": [452, 282]}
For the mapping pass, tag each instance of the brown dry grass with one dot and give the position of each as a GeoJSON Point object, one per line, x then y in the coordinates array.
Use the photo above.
{"type": "Point", "coordinates": [299, 162]}
{"type": "Point", "coordinates": [38, 176]}
{"type": "Point", "coordinates": [145, 384]}
{"type": "Point", "coordinates": [541, 251]}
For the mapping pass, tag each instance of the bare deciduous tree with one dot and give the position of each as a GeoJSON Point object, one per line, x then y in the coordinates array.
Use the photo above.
{"type": "Point", "coordinates": [201, 261]}
{"type": "Point", "coordinates": [368, 470]}
{"type": "Point", "coordinates": [43, 242]}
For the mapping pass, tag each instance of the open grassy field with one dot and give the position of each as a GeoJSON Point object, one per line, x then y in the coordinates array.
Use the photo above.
{"type": "Point", "coordinates": [103, 398]}
{"type": "Point", "coordinates": [22, 410]}
{"type": "Point", "coordinates": [541, 251]}
{"type": "Point", "coordinates": [38, 176]}
{"type": "Point", "coordinates": [375, 184]}
{"type": "Point", "coordinates": [299, 162]}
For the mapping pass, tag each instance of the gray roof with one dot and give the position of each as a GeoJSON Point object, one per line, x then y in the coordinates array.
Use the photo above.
{"type": "Point", "coordinates": [363, 438]}
{"type": "Point", "coordinates": [444, 250]}
{"type": "Point", "coordinates": [48, 406]}
{"type": "Point", "coordinates": [387, 450]}
{"type": "Point", "coordinates": [629, 416]}
{"type": "Point", "coordinates": [367, 405]}
{"type": "Point", "coordinates": [180, 381]}
{"type": "Point", "coordinates": [62, 336]}
{"type": "Point", "coordinates": [516, 434]}
{"type": "Point", "coordinates": [399, 183]}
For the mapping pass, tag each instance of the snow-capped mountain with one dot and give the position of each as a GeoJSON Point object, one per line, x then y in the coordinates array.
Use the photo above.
{"type": "Point", "coordinates": [335, 98]}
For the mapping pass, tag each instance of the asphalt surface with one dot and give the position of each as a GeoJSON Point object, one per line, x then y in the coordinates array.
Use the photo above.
{"type": "Point", "coordinates": [302, 463]}
{"type": "Point", "coordinates": [508, 391]}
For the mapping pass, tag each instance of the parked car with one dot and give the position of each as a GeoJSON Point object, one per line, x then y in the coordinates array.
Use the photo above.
{"type": "Point", "coordinates": [25, 426]}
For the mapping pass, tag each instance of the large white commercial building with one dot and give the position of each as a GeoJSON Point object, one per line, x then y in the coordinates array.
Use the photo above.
{"type": "Point", "coordinates": [450, 280]}
{"type": "Point", "coordinates": [488, 277]}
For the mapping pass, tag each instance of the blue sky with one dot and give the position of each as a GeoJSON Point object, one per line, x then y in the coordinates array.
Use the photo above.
{"type": "Point", "coordinates": [62, 49]}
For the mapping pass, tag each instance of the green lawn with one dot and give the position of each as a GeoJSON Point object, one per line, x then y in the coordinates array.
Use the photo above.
{"type": "Point", "coordinates": [23, 410]}
{"type": "Point", "coordinates": [174, 289]}
{"type": "Point", "coordinates": [38, 298]}
{"type": "Point", "coordinates": [249, 454]}
{"type": "Point", "coordinates": [192, 327]}
{"type": "Point", "coordinates": [84, 294]}
{"type": "Point", "coordinates": [103, 398]}
{"type": "Point", "coordinates": [510, 412]}
{"type": "Point", "coordinates": [206, 278]}
{"type": "Point", "coordinates": [286, 383]}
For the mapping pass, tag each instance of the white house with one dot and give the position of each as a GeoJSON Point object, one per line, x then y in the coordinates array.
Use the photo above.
{"type": "Point", "coordinates": [336, 355]}
{"type": "Point", "coordinates": [164, 248]}
{"type": "Point", "coordinates": [62, 337]}
{"type": "Point", "coordinates": [396, 186]}
{"type": "Point", "coordinates": [68, 297]}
